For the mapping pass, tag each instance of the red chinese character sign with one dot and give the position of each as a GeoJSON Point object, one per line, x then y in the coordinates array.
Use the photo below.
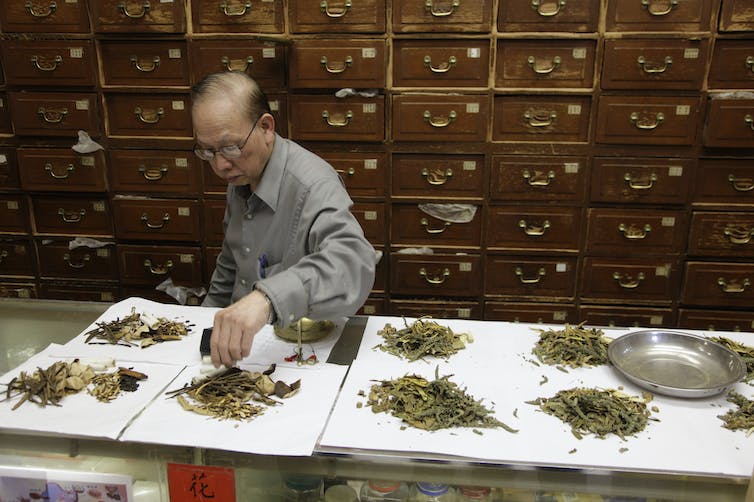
{"type": "Point", "coordinates": [200, 483]}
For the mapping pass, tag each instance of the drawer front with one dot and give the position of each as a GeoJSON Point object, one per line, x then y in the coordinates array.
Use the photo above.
{"type": "Point", "coordinates": [265, 61]}
{"type": "Point", "coordinates": [629, 231]}
{"type": "Point", "coordinates": [237, 16]}
{"type": "Point", "coordinates": [539, 313]}
{"type": "Point", "coordinates": [412, 226]}
{"type": "Point", "coordinates": [325, 118]}
{"type": "Point", "coordinates": [6, 126]}
{"type": "Point", "coordinates": [722, 234]}
{"type": "Point", "coordinates": [653, 280]}
{"type": "Point", "coordinates": [169, 220]}
{"type": "Point", "coordinates": [155, 171]}
{"type": "Point", "coordinates": [56, 260]}
{"type": "Point", "coordinates": [655, 64]}
{"type": "Point", "coordinates": [364, 173]}
{"type": "Point", "coordinates": [373, 306]}
{"type": "Point", "coordinates": [545, 63]}
{"type": "Point", "coordinates": [213, 184]}
{"type": "Point", "coordinates": [724, 181]}
{"type": "Point", "coordinates": [61, 169]}
{"type": "Point", "coordinates": [9, 168]}
{"type": "Point", "coordinates": [139, 64]}
{"type": "Point", "coordinates": [54, 113]}
{"type": "Point", "coordinates": [597, 315]}
{"type": "Point", "coordinates": [455, 63]}
{"type": "Point", "coordinates": [372, 218]}
{"type": "Point", "coordinates": [164, 115]}
{"type": "Point", "coordinates": [16, 258]}
{"type": "Point", "coordinates": [442, 16]}
{"type": "Point", "coordinates": [648, 120]}
{"type": "Point", "coordinates": [735, 15]}
{"type": "Point", "coordinates": [715, 320]}
{"type": "Point", "coordinates": [534, 228]}
{"type": "Point", "coordinates": [278, 102]}
{"type": "Point", "coordinates": [214, 212]}
{"type": "Point", "coordinates": [18, 290]}
{"type": "Point", "coordinates": [641, 180]}
{"type": "Point", "coordinates": [732, 65]}
{"type": "Point", "coordinates": [730, 123]}
{"type": "Point", "coordinates": [541, 118]}
{"type": "Point", "coordinates": [538, 178]}
{"type": "Point", "coordinates": [138, 16]}
{"type": "Point", "coordinates": [366, 16]}
{"type": "Point", "coordinates": [48, 62]}
{"type": "Point", "coordinates": [210, 260]}
{"type": "Point", "coordinates": [440, 118]}
{"type": "Point", "coordinates": [435, 309]}
{"type": "Point", "coordinates": [380, 273]}
{"type": "Point", "coordinates": [72, 216]}
{"type": "Point", "coordinates": [521, 277]}
{"type": "Point", "coordinates": [14, 214]}
{"type": "Point", "coordinates": [659, 15]}
{"type": "Point", "coordinates": [42, 17]}
{"type": "Point", "coordinates": [548, 15]}
{"type": "Point", "coordinates": [438, 176]}
{"type": "Point", "coordinates": [718, 284]}
{"type": "Point", "coordinates": [444, 275]}
{"type": "Point", "coordinates": [151, 265]}
{"type": "Point", "coordinates": [82, 292]}
{"type": "Point", "coordinates": [330, 63]}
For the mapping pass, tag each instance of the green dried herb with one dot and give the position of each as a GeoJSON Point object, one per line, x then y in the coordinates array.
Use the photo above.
{"type": "Point", "coordinates": [745, 352]}
{"type": "Point", "coordinates": [573, 346]}
{"type": "Point", "coordinates": [743, 417]}
{"type": "Point", "coordinates": [423, 337]}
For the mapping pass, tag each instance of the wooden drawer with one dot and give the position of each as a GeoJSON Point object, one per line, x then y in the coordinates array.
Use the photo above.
{"type": "Point", "coordinates": [164, 115]}
{"type": "Point", "coordinates": [648, 120]}
{"type": "Point", "coordinates": [144, 64]}
{"type": "Point", "coordinates": [468, 16]}
{"type": "Point", "coordinates": [439, 275]}
{"type": "Point", "coordinates": [61, 169]}
{"type": "Point", "coordinates": [18, 290]}
{"type": "Point", "coordinates": [138, 16]}
{"type": "Point", "coordinates": [548, 15]}
{"type": "Point", "coordinates": [339, 16]}
{"type": "Point", "coordinates": [724, 182]}
{"type": "Point", "coordinates": [54, 113]}
{"type": "Point", "coordinates": [155, 171]}
{"type": "Point", "coordinates": [599, 315]}
{"type": "Point", "coordinates": [265, 61]}
{"type": "Point", "coordinates": [14, 214]}
{"type": "Point", "coordinates": [718, 284]}
{"type": "Point", "coordinates": [410, 226]}
{"type": "Point", "coordinates": [545, 278]}
{"type": "Point", "coordinates": [454, 63]}
{"type": "Point", "coordinates": [8, 168]}
{"type": "Point", "coordinates": [722, 234]}
{"type": "Point", "coordinates": [72, 216]}
{"type": "Point", "coordinates": [237, 16]}
{"type": "Point", "coordinates": [157, 219]}
{"type": "Point", "coordinates": [213, 184]}
{"type": "Point", "coordinates": [545, 63]}
{"type": "Point", "coordinates": [380, 273]}
{"type": "Point", "coordinates": [159, 296]}
{"type": "Point", "coordinates": [716, 320]}
{"type": "Point", "coordinates": [278, 102]}
{"type": "Point", "coordinates": [372, 218]}
{"type": "Point", "coordinates": [735, 15]}
{"type": "Point", "coordinates": [730, 123]}
{"type": "Point", "coordinates": [79, 291]}
{"type": "Point", "coordinates": [50, 62]}
{"type": "Point", "coordinates": [56, 260]}
{"type": "Point", "coordinates": [6, 127]}
{"type": "Point", "coordinates": [541, 118]}
{"type": "Point", "coordinates": [436, 309]}
{"type": "Point", "coordinates": [326, 118]}
{"type": "Point", "coordinates": [151, 265]}
{"type": "Point", "coordinates": [655, 64]}
{"type": "Point", "coordinates": [210, 260]}
{"type": "Point", "coordinates": [17, 258]}
{"type": "Point", "coordinates": [214, 212]}
{"type": "Point", "coordinates": [732, 65]}
{"type": "Point", "coordinates": [436, 117]}
{"type": "Point", "coordinates": [438, 176]}
{"type": "Point", "coordinates": [641, 179]}
{"type": "Point", "coordinates": [337, 63]}
{"type": "Point", "coordinates": [659, 15]}
{"type": "Point", "coordinates": [534, 228]}
{"type": "Point", "coordinates": [538, 178]}
{"type": "Point", "coordinates": [539, 313]}
{"type": "Point", "coordinates": [621, 232]}
{"type": "Point", "coordinates": [630, 280]}
{"type": "Point", "coordinates": [45, 17]}
{"type": "Point", "coordinates": [364, 173]}
{"type": "Point", "coordinates": [373, 306]}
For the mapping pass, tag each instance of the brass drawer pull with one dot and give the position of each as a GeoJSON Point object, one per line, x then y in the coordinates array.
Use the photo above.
{"type": "Point", "coordinates": [42, 65]}
{"type": "Point", "coordinates": [733, 286]}
{"type": "Point", "coordinates": [3, 255]}
{"type": "Point", "coordinates": [640, 183]}
{"type": "Point", "coordinates": [153, 174]}
{"type": "Point", "coordinates": [534, 230]}
{"type": "Point", "coordinates": [650, 5]}
{"type": "Point", "coordinates": [543, 10]}
{"type": "Point", "coordinates": [437, 278]}
{"type": "Point", "coordinates": [351, 171]}
{"type": "Point", "coordinates": [239, 12]}
{"type": "Point", "coordinates": [150, 117]}
{"type": "Point", "coordinates": [654, 67]}
{"type": "Point", "coordinates": [425, 223]}
{"type": "Point", "coordinates": [738, 234]}
{"type": "Point", "coordinates": [51, 115]}
{"type": "Point", "coordinates": [68, 171]}
{"type": "Point", "coordinates": [442, 67]}
{"type": "Point", "coordinates": [334, 12]}
{"type": "Point", "coordinates": [540, 118]}
{"type": "Point", "coordinates": [228, 63]}
{"type": "Point", "coordinates": [437, 176]}
{"type": "Point", "coordinates": [750, 63]}
{"type": "Point", "coordinates": [554, 63]}
{"type": "Point", "coordinates": [145, 6]}
{"type": "Point", "coordinates": [539, 179]}
{"type": "Point", "coordinates": [749, 121]}
{"type": "Point", "coordinates": [50, 10]}
{"type": "Point", "coordinates": [337, 123]}
{"type": "Point", "coordinates": [158, 269]}
{"type": "Point", "coordinates": [741, 184]}
{"type": "Point", "coordinates": [626, 281]}
{"type": "Point", "coordinates": [429, 7]}
{"type": "Point", "coordinates": [642, 123]}
{"type": "Point", "coordinates": [72, 216]}
{"type": "Point", "coordinates": [80, 264]}
{"type": "Point", "coordinates": [336, 68]}
{"type": "Point", "coordinates": [148, 67]}
{"type": "Point", "coordinates": [530, 280]}
{"type": "Point", "coordinates": [632, 232]}
{"type": "Point", "coordinates": [165, 220]}
{"type": "Point", "coordinates": [440, 121]}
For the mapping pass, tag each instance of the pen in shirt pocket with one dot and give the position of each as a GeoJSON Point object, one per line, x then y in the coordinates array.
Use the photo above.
{"type": "Point", "coordinates": [263, 265]}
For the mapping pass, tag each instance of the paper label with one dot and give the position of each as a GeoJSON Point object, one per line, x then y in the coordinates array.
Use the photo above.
{"type": "Point", "coordinates": [369, 108]}
{"type": "Point", "coordinates": [370, 163]}
{"type": "Point", "coordinates": [668, 221]}
{"type": "Point", "coordinates": [464, 266]}
{"type": "Point", "coordinates": [571, 167]}
{"type": "Point", "coordinates": [82, 104]}
{"type": "Point", "coordinates": [464, 313]}
{"type": "Point", "coordinates": [174, 53]}
{"type": "Point", "coordinates": [12, 205]}
{"type": "Point", "coordinates": [181, 162]}
{"type": "Point", "coordinates": [186, 258]}
{"type": "Point", "coordinates": [473, 53]}
{"type": "Point", "coordinates": [574, 109]}
{"type": "Point", "coordinates": [184, 211]}
{"type": "Point", "coordinates": [370, 215]}
{"type": "Point", "coordinates": [675, 171]}
{"type": "Point", "coordinates": [559, 315]}
{"type": "Point", "coordinates": [76, 52]}
{"type": "Point", "coordinates": [472, 107]}
{"type": "Point", "coordinates": [579, 53]}
{"type": "Point", "coordinates": [98, 206]}
{"type": "Point", "coordinates": [469, 165]}
{"type": "Point", "coordinates": [274, 105]}
{"type": "Point", "coordinates": [368, 52]}
{"type": "Point", "coordinates": [103, 252]}
{"type": "Point", "coordinates": [682, 110]}
{"type": "Point", "coordinates": [178, 104]}
{"type": "Point", "coordinates": [561, 267]}
{"type": "Point", "coordinates": [691, 53]}
{"type": "Point", "coordinates": [87, 161]}
{"type": "Point", "coordinates": [268, 52]}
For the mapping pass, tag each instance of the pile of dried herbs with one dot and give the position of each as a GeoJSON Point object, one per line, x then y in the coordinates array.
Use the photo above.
{"type": "Point", "coordinates": [743, 417]}
{"type": "Point", "coordinates": [745, 352]}
{"type": "Point", "coordinates": [107, 387]}
{"type": "Point", "coordinates": [423, 337]}
{"type": "Point", "coordinates": [573, 346]}
{"type": "Point", "coordinates": [599, 412]}
{"type": "Point", "coordinates": [49, 386]}
{"type": "Point", "coordinates": [137, 329]}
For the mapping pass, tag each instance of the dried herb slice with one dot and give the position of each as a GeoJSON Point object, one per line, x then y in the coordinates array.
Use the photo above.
{"type": "Point", "coordinates": [422, 338]}
{"type": "Point", "coordinates": [573, 346]}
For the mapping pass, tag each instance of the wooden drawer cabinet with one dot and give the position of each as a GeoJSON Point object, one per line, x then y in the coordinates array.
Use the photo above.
{"type": "Point", "coordinates": [17, 258]}
{"type": "Point", "coordinates": [716, 320]}
{"type": "Point", "coordinates": [638, 317]}
{"type": "Point", "coordinates": [534, 228]}
{"type": "Point", "coordinates": [545, 63]}
{"type": "Point", "coordinates": [159, 296]}
{"type": "Point", "coordinates": [517, 277]}
{"type": "Point", "coordinates": [10, 289]}
{"type": "Point", "coordinates": [730, 123]}
{"type": "Point", "coordinates": [8, 169]}
{"type": "Point", "coordinates": [548, 15]}
{"type": "Point", "coordinates": [413, 227]}
{"type": "Point", "coordinates": [210, 260]}
{"type": "Point", "coordinates": [151, 265]}
{"type": "Point", "coordinates": [213, 184]}
{"type": "Point", "coordinates": [163, 115]}
{"type": "Point", "coordinates": [466, 16]}
{"type": "Point", "coordinates": [718, 284]}
{"type": "Point", "coordinates": [14, 214]}
{"type": "Point", "coordinates": [264, 61]}
{"type": "Point", "coordinates": [655, 64]}
{"type": "Point", "coordinates": [157, 219]}
{"type": "Point", "coordinates": [363, 173]}
{"type": "Point", "coordinates": [538, 178]}
{"type": "Point", "coordinates": [278, 102]}
{"type": "Point", "coordinates": [724, 182]}
{"type": "Point", "coordinates": [144, 63]}
{"type": "Point", "coordinates": [380, 273]}
{"type": "Point", "coordinates": [56, 260]}
{"type": "Point", "coordinates": [434, 117]}
{"type": "Point", "coordinates": [541, 118]}
{"type": "Point", "coordinates": [540, 313]}
{"type": "Point", "coordinates": [439, 275]}
{"type": "Point", "coordinates": [237, 16]}
{"type": "Point", "coordinates": [72, 216]}
{"type": "Point", "coordinates": [659, 15]}
{"type": "Point", "coordinates": [6, 127]}
{"type": "Point", "coordinates": [438, 176]}
{"type": "Point", "coordinates": [641, 180]}
{"type": "Point", "coordinates": [735, 15]}
{"type": "Point", "coordinates": [59, 169]}
{"type": "Point", "coordinates": [634, 232]}
{"type": "Point", "coordinates": [454, 63]}
{"type": "Point", "coordinates": [79, 291]}
{"type": "Point", "coordinates": [437, 309]}
{"type": "Point", "coordinates": [722, 234]}
{"type": "Point", "coordinates": [41, 17]}
{"type": "Point", "coordinates": [337, 63]}
{"type": "Point", "coordinates": [373, 306]}
{"type": "Point", "coordinates": [326, 118]}
{"type": "Point", "coordinates": [54, 113]}
{"type": "Point", "coordinates": [630, 280]}
{"type": "Point", "coordinates": [732, 65]}
{"type": "Point", "coordinates": [337, 16]}
{"type": "Point", "coordinates": [138, 16]}
{"type": "Point", "coordinates": [371, 216]}
{"type": "Point", "coordinates": [214, 213]}
{"type": "Point", "coordinates": [50, 62]}
{"type": "Point", "coordinates": [155, 171]}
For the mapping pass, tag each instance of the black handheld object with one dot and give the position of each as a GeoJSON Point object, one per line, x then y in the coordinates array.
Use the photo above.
{"type": "Point", "coordinates": [204, 349]}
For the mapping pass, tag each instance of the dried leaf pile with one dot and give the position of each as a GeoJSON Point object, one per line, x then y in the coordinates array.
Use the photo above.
{"type": "Point", "coordinates": [743, 417]}
{"type": "Point", "coordinates": [423, 337]}
{"type": "Point", "coordinates": [137, 329]}
{"type": "Point", "coordinates": [573, 346]}
{"type": "Point", "coordinates": [107, 387]}
{"type": "Point", "coordinates": [745, 352]}
{"type": "Point", "coordinates": [49, 386]}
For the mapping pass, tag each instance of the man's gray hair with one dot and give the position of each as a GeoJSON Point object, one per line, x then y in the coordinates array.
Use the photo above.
{"type": "Point", "coordinates": [234, 85]}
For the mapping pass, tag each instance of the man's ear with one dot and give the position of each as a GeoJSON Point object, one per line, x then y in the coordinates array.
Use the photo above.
{"type": "Point", "coordinates": [267, 121]}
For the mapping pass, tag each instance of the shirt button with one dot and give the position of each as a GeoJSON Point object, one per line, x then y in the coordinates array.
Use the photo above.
{"type": "Point", "coordinates": [291, 318]}
{"type": "Point", "coordinates": [248, 216]}
{"type": "Point", "coordinates": [243, 282]}
{"type": "Point", "coordinates": [247, 250]}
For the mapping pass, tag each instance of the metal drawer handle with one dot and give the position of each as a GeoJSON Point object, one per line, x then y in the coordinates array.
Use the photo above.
{"type": "Point", "coordinates": [543, 10]}
{"type": "Point", "coordinates": [3, 255]}
{"type": "Point", "coordinates": [334, 12]}
{"type": "Point", "coordinates": [68, 171]}
{"type": "Point", "coordinates": [336, 68]}
{"type": "Point", "coordinates": [148, 67]}
{"type": "Point", "coordinates": [51, 115]}
{"type": "Point", "coordinates": [150, 117]}
{"type": "Point", "coordinates": [733, 286]}
{"type": "Point", "coordinates": [165, 220]}
{"type": "Point", "coordinates": [228, 63]}
{"type": "Point", "coordinates": [632, 232]}
{"type": "Point", "coordinates": [437, 176]}
{"type": "Point", "coordinates": [240, 12]}
{"type": "Point", "coordinates": [351, 171]}
{"type": "Point", "coordinates": [540, 118]}
{"type": "Point", "coordinates": [437, 278]}
{"type": "Point", "coordinates": [539, 179]}
{"type": "Point", "coordinates": [153, 174]}
{"type": "Point", "coordinates": [654, 67]}
{"type": "Point", "coordinates": [442, 67]}
{"type": "Point", "coordinates": [626, 281]}
{"type": "Point", "coordinates": [337, 123]}
{"type": "Point", "coordinates": [145, 6]}
{"type": "Point", "coordinates": [50, 10]}
{"type": "Point", "coordinates": [534, 230]}
{"type": "Point", "coordinates": [80, 264]}
{"type": "Point", "coordinates": [530, 280]}
{"type": "Point", "coordinates": [750, 63]}
{"type": "Point", "coordinates": [650, 5]}
{"type": "Point", "coordinates": [544, 70]}
{"type": "Point", "coordinates": [749, 121]}
{"type": "Point", "coordinates": [440, 121]}
{"type": "Point", "coordinates": [425, 223]}
{"type": "Point", "coordinates": [73, 216]}
{"type": "Point", "coordinates": [429, 7]}
{"type": "Point", "coordinates": [741, 184]}
{"type": "Point", "coordinates": [738, 234]}
{"type": "Point", "coordinates": [644, 124]}
{"type": "Point", "coordinates": [158, 269]}
{"type": "Point", "coordinates": [641, 182]}
{"type": "Point", "coordinates": [42, 65]}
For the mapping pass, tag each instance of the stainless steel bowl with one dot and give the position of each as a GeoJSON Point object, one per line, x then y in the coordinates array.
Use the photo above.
{"type": "Point", "coordinates": [676, 364]}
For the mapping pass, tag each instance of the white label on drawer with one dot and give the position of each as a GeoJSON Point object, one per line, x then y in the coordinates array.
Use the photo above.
{"type": "Point", "coordinates": [2, 103]}
{"type": "Point", "coordinates": [691, 53]}
{"type": "Point", "coordinates": [71, 1]}
{"type": "Point", "coordinates": [103, 252]}
{"type": "Point", "coordinates": [369, 108]}
{"type": "Point", "coordinates": [472, 107]}
{"type": "Point", "coordinates": [12, 205]}
{"type": "Point", "coordinates": [668, 221]}
{"type": "Point", "coordinates": [274, 105]}
{"type": "Point", "coordinates": [370, 163]}
{"type": "Point", "coordinates": [166, 1]}
{"type": "Point", "coordinates": [464, 266]}
{"type": "Point", "coordinates": [579, 53]}
{"type": "Point", "coordinates": [368, 52]}
{"type": "Point", "coordinates": [87, 161]}
{"type": "Point", "coordinates": [682, 110]}
{"type": "Point", "coordinates": [469, 165]}
{"type": "Point", "coordinates": [76, 52]}
{"type": "Point", "coordinates": [370, 215]}
{"type": "Point", "coordinates": [98, 206]}
{"type": "Point", "coordinates": [181, 162]}
{"type": "Point", "coordinates": [268, 52]}
{"type": "Point", "coordinates": [655, 320]}
{"type": "Point", "coordinates": [106, 296]}
{"type": "Point", "coordinates": [174, 53]}
{"type": "Point", "coordinates": [559, 315]}
{"type": "Point", "coordinates": [24, 293]}
{"type": "Point", "coordinates": [369, 309]}
{"type": "Point", "coordinates": [3, 159]}
{"type": "Point", "coordinates": [561, 267]}
{"type": "Point", "coordinates": [574, 109]}
{"type": "Point", "coordinates": [178, 104]}
{"type": "Point", "coordinates": [82, 104]}
{"type": "Point", "coordinates": [571, 167]}
{"type": "Point", "coordinates": [473, 53]}
{"type": "Point", "coordinates": [186, 258]}
{"type": "Point", "coordinates": [184, 211]}
{"type": "Point", "coordinates": [662, 270]}
{"type": "Point", "coordinates": [464, 313]}
{"type": "Point", "coordinates": [675, 171]}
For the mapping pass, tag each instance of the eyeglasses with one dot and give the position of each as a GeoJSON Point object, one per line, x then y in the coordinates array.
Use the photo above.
{"type": "Point", "coordinates": [229, 151]}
